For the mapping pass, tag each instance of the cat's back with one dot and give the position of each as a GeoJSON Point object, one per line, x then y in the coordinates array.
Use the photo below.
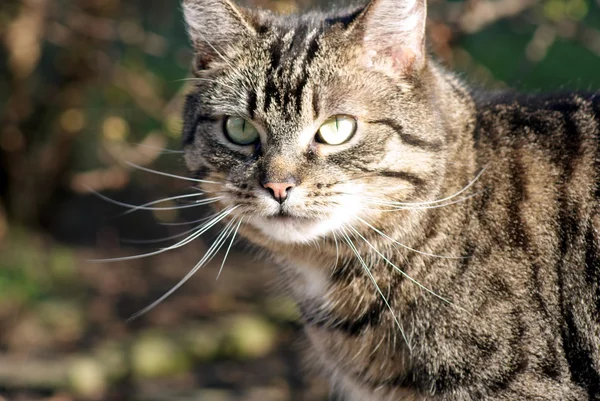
{"type": "Point", "coordinates": [509, 117]}
{"type": "Point", "coordinates": [542, 144]}
{"type": "Point", "coordinates": [542, 201]}
{"type": "Point", "coordinates": [541, 155]}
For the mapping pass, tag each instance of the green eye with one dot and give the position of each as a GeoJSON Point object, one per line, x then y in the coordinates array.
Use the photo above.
{"type": "Point", "coordinates": [240, 131]}
{"type": "Point", "coordinates": [336, 130]}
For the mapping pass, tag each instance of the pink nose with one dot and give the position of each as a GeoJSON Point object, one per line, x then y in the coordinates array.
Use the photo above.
{"type": "Point", "coordinates": [279, 190]}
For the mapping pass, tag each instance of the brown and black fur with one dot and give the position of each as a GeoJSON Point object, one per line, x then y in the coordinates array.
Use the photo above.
{"type": "Point", "coordinates": [516, 257]}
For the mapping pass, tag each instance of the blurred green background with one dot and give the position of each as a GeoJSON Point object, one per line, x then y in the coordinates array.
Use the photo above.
{"type": "Point", "coordinates": [86, 85]}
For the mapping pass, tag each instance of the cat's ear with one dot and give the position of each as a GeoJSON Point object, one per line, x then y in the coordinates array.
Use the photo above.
{"type": "Point", "coordinates": [395, 29]}
{"type": "Point", "coordinates": [214, 26]}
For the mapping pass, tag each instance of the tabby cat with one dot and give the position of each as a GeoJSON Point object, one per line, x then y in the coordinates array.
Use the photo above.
{"type": "Point", "coordinates": [441, 243]}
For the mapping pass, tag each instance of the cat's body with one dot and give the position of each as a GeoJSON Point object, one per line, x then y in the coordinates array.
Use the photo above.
{"type": "Point", "coordinates": [449, 249]}
{"type": "Point", "coordinates": [530, 279]}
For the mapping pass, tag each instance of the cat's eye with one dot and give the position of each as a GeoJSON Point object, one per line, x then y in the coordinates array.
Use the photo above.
{"type": "Point", "coordinates": [240, 131]}
{"type": "Point", "coordinates": [336, 130]}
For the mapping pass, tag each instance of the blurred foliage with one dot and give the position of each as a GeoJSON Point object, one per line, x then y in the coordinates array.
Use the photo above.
{"type": "Point", "coordinates": [89, 85]}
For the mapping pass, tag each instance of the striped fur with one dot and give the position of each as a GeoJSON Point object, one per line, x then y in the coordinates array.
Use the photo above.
{"type": "Point", "coordinates": [490, 294]}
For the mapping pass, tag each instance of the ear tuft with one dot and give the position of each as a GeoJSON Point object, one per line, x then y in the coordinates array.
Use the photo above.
{"type": "Point", "coordinates": [396, 29]}
{"type": "Point", "coordinates": [214, 26]}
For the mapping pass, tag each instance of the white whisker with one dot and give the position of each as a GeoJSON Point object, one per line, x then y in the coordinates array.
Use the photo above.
{"type": "Point", "coordinates": [146, 206]}
{"type": "Point", "coordinates": [469, 185]}
{"type": "Point", "coordinates": [185, 223]}
{"type": "Point", "coordinates": [406, 246]}
{"type": "Point", "coordinates": [366, 269]}
{"type": "Point", "coordinates": [184, 242]}
{"type": "Point", "coordinates": [401, 271]}
{"type": "Point", "coordinates": [438, 206]}
{"type": "Point", "coordinates": [212, 250]}
{"type": "Point", "coordinates": [229, 247]}
{"type": "Point", "coordinates": [148, 170]}
{"type": "Point", "coordinates": [153, 241]}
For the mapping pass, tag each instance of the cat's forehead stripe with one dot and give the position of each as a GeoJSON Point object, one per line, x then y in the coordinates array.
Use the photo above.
{"type": "Point", "coordinates": [287, 71]}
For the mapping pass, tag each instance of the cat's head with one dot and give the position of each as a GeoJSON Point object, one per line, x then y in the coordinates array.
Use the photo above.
{"type": "Point", "coordinates": [308, 123]}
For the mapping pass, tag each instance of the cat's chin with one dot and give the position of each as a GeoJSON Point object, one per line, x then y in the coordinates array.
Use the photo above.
{"type": "Point", "coordinates": [294, 230]}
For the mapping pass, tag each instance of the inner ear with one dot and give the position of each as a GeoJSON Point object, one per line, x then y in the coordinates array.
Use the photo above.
{"type": "Point", "coordinates": [215, 28]}
{"type": "Point", "coordinates": [395, 29]}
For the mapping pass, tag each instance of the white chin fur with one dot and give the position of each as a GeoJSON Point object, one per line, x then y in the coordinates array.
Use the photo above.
{"type": "Point", "coordinates": [295, 230]}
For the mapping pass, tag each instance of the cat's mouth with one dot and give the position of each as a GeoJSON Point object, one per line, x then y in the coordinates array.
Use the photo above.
{"type": "Point", "coordinates": [282, 217]}
{"type": "Point", "coordinates": [286, 227]}
{"type": "Point", "coordinates": [285, 215]}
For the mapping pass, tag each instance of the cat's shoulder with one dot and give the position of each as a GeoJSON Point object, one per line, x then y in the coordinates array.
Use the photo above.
{"type": "Point", "coordinates": [547, 114]}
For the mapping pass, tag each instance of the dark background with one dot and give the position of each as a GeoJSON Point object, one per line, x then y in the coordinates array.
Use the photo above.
{"type": "Point", "coordinates": [86, 85]}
